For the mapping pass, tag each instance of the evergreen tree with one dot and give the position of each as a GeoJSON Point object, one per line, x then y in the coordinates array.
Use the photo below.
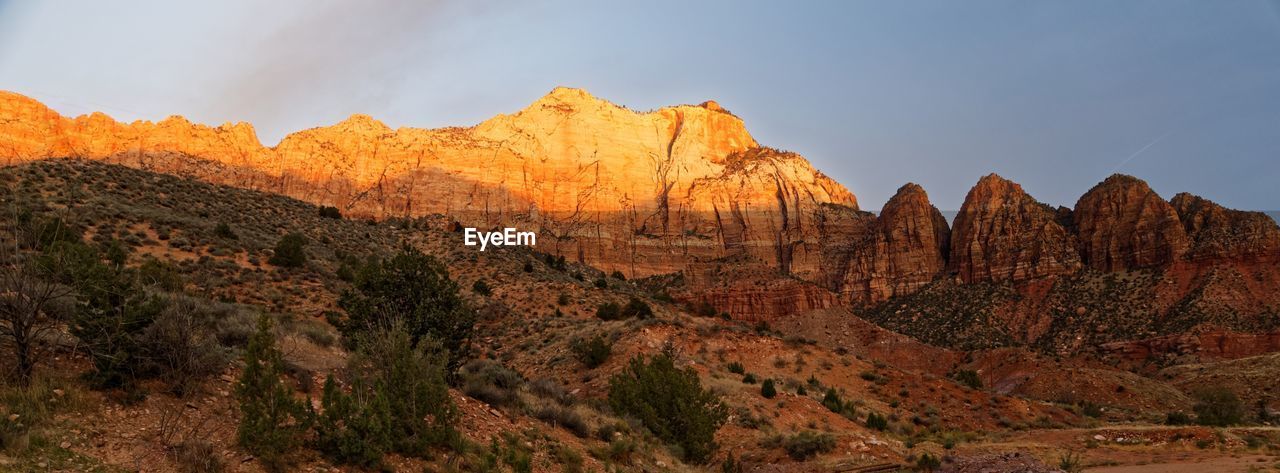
{"type": "Point", "coordinates": [272, 422]}
{"type": "Point", "coordinates": [414, 289]}
{"type": "Point", "coordinates": [670, 402]}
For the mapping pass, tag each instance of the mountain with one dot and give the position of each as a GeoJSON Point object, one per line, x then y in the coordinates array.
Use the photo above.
{"type": "Point", "coordinates": [754, 232]}
{"type": "Point", "coordinates": [641, 193]}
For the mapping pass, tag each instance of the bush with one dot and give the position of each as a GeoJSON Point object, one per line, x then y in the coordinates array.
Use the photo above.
{"type": "Point", "coordinates": [1177, 418]}
{"type": "Point", "coordinates": [928, 462]}
{"type": "Point", "coordinates": [831, 400]}
{"type": "Point", "coordinates": [807, 444]}
{"type": "Point", "coordinates": [704, 309]}
{"type": "Point", "coordinates": [272, 422]}
{"type": "Point", "coordinates": [414, 289]}
{"type": "Point", "coordinates": [618, 275]}
{"type": "Point", "coordinates": [489, 381]}
{"type": "Point", "coordinates": [290, 251]}
{"type": "Point", "coordinates": [593, 351]}
{"type": "Point", "coordinates": [482, 288]}
{"type": "Point", "coordinates": [179, 347]}
{"type": "Point", "coordinates": [670, 402]}
{"type": "Point", "coordinates": [222, 230]}
{"type": "Point", "coordinates": [969, 378]}
{"type": "Point", "coordinates": [601, 283]}
{"type": "Point", "coordinates": [563, 299]}
{"type": "Point", "coordinates": [1218, 406]}
{"type": "Point", "coordinates": [637, 308]}
{"type": "Point", "coordinates": [113, 311]}
{"type": "Point", "coordinates": [412, 378]}
{"type": "Point", "coordinates": [609, 311]}
{"type": "Point", "coordinates": [736, 368]}
{"type": "Point", "coordinates": [767, 389]}
{"type": "Point", "coordinates": [877, 421]}
{"type": "Point", "coordinates": [330, 212]}
{"type": "Point", "coordinates": [199, 457]}
{"type": "Point", "coordinates": [353, 428]}
{"type": "Point", "coordinates": [528, 266]}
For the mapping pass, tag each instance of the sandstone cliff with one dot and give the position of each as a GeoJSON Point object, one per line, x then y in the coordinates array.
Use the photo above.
{"type": "Point", "coordinates": [894, 254]}
{"type": "Point", "coordinates": [1217, 232]}
{"type": "Point", "coordinates": [1123, 225]}
{"type": "Point", "coordinates": [1003, 234]}
{"type": "Point", "coordinates": [643, 193]}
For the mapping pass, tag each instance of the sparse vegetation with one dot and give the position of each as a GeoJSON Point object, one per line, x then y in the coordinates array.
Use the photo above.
{"type": "Point", "coordinates": [290, 251]}
{"type": "Point", "coordinates": [670, 402]}
{"type": "Point", "coordinates": [593, 351]}
{"type": "Point", "coordinates": [1218, 406]}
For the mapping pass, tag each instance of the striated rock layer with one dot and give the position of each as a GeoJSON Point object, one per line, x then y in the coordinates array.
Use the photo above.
{"type": "Point", "coordinates": [894, 254]}
{"type": "Point", "coordinates": [1123, 225]}
{"type": "Point", "coordinates": [1002, 234]}
{"type": "Point", "coordinates": [643, 193]}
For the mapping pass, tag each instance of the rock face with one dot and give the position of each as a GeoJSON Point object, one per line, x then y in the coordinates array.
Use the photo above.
{"type": "Point", "coordinates": [642, 193]}
{"type": "Point", "coordinates": [894, 254]}
{"type": "Point", "coordinates": [1218, 233]}
{"type": "Point", "coordinates": [1003, 234]}
{"type": "Point", "coordinates": [1124, 225]}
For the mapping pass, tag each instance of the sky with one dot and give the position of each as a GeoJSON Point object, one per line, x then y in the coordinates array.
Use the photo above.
{"type": "Point", "coordinates": [1055, 95]}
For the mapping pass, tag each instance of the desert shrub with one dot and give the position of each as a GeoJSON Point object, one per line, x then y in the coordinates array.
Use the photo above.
{"type": "Point", "coordinates": [637, 308]}
{"type": "Point", "coordinates": [609, 311]}
{"type": "Point", "coordinates": [155, 273]}
{"type": "Point", "coordinates": [928, 462]}
{"type": "Point", "coordinates": [969, 378]}
{"type": "Point", "coordinates": [704, 309]}
{"type": "Point", "coordinates": [222, 230]}
{"type": "Point", "coordinates": [593, 351]}
{"type": "Point", "coordinates": [412, 378]}
{"type": "Point", "coordinates": [562, 299]}
{"type": "Point", "coordinates": [416, 290]}
{"type": "Point", "coordinates": [179, 348]}
{"type": "Point", "coordinates": [330, 212]}
{"type": "Point", "coordinates": [1069, 462]}
{"type": "Point", "coordinates": [807, 444]}
{"type": "Point", "coordinates": [113, 312]}
{"type": "Point", "coordinates": [353, 428]}
{"type": "Point", "coordinates": [489, 381]}
{"type": "Point", "coordinates": [563, 416]}
{"type": "Point", "coordinates": [831, 400]}
{"type": "Point", "coordinates": [877, 421]}
{"type": "Point", "coordinates": [749, 378]}
{"type": "Point", "coordinates": [290, 251]}
{"type": "Point", "coordinates": [618, 275]}
{"type": "Point", "coordinates": [272, 422]}
{"type": "Point", "coordinates": [1177, 418]}
{"type": "Point", "coordinates": [199, 457]}
{"type": "Point", "coordinates": [510, 451]}
{"type": "Point", "coordinates": [767, 389]}
{"type": "Point", "coordinates": [736, 368]}
{"type": "Point", "coordinates": [670, 402]}
{"type": "Point", "coordinates": [601, 283]}
{"type": "Point", "coordinates": [1218, 406]}
{"type": "Point", "coordinates": [482, 288]}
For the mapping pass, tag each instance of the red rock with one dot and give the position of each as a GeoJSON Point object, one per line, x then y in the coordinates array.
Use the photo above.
{"type": "Point", "coordinates": [1123, 225]}
{"type": "Point", "coordinates": [1003, 234]}
{"type": "Point", "coordinates": [1220, 233]}
{"type": "Point", "coordinates": [894, 254]}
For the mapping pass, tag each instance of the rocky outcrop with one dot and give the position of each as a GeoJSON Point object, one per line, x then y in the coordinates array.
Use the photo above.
{"type": "Point", "coordinates": [1003, 234]}
{"type": "Point", "coordinates": [642, 193]}
{"type": "Point", "coordinates": [894, 254]}
{"type": "Point", "coordinates": [1123, 225]}
{"type": "Point", "coordinates": [1219, 233]}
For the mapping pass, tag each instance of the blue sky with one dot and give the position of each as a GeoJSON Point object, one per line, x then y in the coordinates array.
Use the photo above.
{"type": "Point", "coordinates": [1055, 95]}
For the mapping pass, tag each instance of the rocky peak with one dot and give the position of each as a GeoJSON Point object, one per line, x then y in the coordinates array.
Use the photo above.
{"type": "Point", "coordinates": [1122, 225]}
{"type": "Point", "coordinates": [1003, 234]}
{"type": "Point", "coordinates": [897, 253]}
{"type": "Point", "coordinates": [1218, 232]}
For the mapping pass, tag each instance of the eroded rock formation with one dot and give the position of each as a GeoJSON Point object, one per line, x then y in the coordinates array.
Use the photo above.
{"type": "Point", "coordinates": [643, 193]}
{"type": "Point", "coordinates": [894, 254]}
{"type": "Point", "coordinates": [1123, 225]}
{"type": "Point", "coordinates": [1003, 234]}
